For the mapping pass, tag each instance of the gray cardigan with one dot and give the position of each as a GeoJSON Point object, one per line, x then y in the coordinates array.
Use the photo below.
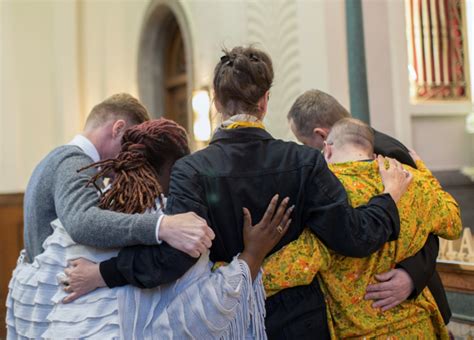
{"type": "Point", "coordinates": [56, 190]}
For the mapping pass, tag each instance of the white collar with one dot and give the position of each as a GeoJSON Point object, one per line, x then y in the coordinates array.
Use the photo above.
{"type": "Point", "coordinates": [86, 146]}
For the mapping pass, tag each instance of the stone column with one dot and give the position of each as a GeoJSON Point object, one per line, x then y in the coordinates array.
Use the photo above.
{"type": "Point", "coordinates": [359, 97]}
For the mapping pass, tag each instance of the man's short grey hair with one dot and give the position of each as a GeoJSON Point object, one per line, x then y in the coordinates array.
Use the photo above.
{"type": "Point", "coordinates": [316, 109]}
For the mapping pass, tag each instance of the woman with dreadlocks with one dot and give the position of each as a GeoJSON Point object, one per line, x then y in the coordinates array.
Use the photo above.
{"type": "Point", "coordinates": [204, 303]}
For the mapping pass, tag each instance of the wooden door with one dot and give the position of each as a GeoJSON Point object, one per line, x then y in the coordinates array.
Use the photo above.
{"type": "Point", "coordinates": [11, 242]}
{"type": "Point", "coordinates": [176, 101]}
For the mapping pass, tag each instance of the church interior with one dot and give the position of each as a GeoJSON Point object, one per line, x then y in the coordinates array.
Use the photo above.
{"type": "Point", "coordinates": [404, 66]}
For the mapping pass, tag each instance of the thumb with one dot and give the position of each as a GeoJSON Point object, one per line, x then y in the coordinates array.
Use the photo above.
{"type": "Point", "coordinates": [247, 218]}
{"type": "Point", "coordinates": [385, 276]}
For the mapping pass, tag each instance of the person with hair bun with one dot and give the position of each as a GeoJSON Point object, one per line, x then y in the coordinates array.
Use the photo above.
{"type": "Point", "coordinates": [244, 166]}
{"type": "Point", "coordinates": [229, 296]}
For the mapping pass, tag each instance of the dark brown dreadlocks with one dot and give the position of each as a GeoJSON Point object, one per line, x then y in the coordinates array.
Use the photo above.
{"type": "Point", "coordinates": [145, 149]}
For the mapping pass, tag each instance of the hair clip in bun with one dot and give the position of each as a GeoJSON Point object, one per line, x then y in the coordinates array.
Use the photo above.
{"type": "Point", "coordinates": [253, 57]}
{"type": "Point", "coordinates": [225, 60]}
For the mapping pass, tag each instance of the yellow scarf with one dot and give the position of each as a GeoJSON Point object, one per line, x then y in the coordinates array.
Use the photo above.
{"type": "Point", "coordinates": [243, 121]}
{"type": "Point", "coordinates": [242, 124]}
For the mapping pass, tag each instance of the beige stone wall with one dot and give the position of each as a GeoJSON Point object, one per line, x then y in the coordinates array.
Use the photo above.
{"type": "Point", "coordinates": [59, 58]}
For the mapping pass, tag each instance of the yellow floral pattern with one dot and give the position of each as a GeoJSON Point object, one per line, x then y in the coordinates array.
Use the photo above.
{"type": "Point", "coordinates": [425, 208]}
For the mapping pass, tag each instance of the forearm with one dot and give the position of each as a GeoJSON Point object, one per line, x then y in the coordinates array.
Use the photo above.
{"type": "Point", "coordinates": [145, 266]}
{"type": "Point", "coordinates": [355, 232]}
{"type": "Point", "coordinates": [361, 231]}
{"type": "Point", "coordinates": [76, 207]}
{"type": "Point", "coordinates": [101, 230]}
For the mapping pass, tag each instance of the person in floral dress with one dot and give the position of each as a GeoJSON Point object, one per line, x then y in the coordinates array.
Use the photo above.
{"type": "Point", "coordinates": [425, 208]}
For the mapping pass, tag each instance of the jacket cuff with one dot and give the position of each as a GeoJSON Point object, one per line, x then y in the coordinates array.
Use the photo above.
{"type": "Point", "coordinates": [111, 275]}
{"type": "Point", "coordinates": [416, 275]}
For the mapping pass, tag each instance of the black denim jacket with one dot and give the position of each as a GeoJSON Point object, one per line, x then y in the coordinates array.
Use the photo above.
{"type": "Point", "coordinates": [245, 168]}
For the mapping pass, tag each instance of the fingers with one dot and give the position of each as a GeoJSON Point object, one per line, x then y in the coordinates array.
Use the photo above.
{"type": "Point", "coordinates": [195, 249]}
{"type": "Point", "coordinates": [386, 276]}
{"type": "Point", "coordinates": [247, 218]}
{"type": "Point", "coordinates": [277, 219]}
{"type": "Point", "coordinates": [71, 297]}
{"type": "Point", "coordinates": [68, 271]}
{"type": "Point", "coordinates": [379, 287]}
{"type": "Point", "coordinates": [286, 217]}
{"type": "Point", "coordinates": [210, 233]}
{"type": "Point", "coordinates": [207, 242]}
{"type": "Point", "coordinates": [285, 228]}
{"type": "Point", "coordinates": [384, 294]}
{"type": "Point", "coordinates": [267, 217]}
{"type": "Point", "coordinates": [193, 252]}
{"type": "Point", "coordinates": [73, 263]}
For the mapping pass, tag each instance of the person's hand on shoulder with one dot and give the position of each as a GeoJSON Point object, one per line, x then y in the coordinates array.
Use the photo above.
{"type": "Point", "coordinates": [395, 179]}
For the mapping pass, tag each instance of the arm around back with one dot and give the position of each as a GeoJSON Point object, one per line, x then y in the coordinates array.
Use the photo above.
{"type": "Point", "coordinates": [151, 266]}
{"type": "Point", "coordinates": [355, 232]}
{"type": "Point", "coordinates": [76, 207]}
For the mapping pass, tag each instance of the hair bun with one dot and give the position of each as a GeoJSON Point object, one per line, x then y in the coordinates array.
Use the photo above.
{"type": "Point", "coordinates": [253, 57]}
{"type": "Point", "coordinates": [227, 60]}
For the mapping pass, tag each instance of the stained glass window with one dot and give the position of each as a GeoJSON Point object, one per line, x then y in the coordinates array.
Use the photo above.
{"type": "Point", "coordinates": [436, 48]}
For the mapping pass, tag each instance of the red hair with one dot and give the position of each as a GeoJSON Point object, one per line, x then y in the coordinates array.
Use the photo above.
{"type": "Point", "coordinates": [145, 149]}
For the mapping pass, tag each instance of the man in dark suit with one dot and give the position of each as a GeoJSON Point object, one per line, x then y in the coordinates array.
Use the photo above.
{"type": "Point", "coordinates": [311, 118]}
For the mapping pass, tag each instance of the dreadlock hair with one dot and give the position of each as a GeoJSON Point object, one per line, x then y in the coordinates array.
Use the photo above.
{"type": "Point", "coordinates": [145, 149]}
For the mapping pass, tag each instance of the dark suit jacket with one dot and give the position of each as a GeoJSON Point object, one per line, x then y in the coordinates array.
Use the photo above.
{"type": "Point", "coordinates": [422, 266]}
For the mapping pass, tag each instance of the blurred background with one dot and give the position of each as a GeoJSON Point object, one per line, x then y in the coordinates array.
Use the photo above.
{"type": "Point", "coordinates": [405, 66]}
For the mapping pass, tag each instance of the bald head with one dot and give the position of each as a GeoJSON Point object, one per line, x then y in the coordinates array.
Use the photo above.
{"type": "Point", "coordinates": [350, 139]}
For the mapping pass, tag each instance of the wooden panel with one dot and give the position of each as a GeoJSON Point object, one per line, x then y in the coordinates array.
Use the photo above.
{"type": "Point", "coordinates": [457, 278]}
{"type": "Point", "coordinates": [11, 242]}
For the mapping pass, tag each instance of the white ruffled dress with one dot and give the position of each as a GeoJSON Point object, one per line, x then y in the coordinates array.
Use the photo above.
{"type": "Point", "coordinates": [223, 304]}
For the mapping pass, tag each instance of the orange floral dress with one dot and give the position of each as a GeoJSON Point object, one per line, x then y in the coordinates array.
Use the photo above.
{"type": "Point", "coordinates": [425, 208]}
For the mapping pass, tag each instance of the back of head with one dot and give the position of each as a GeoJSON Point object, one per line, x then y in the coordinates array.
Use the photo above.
{"type": "Point", "coordinates": [241, 78]}
{"type": "Point", "coordinates": [316, 109]}
{"type": "Point", "coordinates": [146, 148]}
{"type": "Point", "coordinates": [352, 132]}
{"type": "Point", "coordinates": [159, 140]}
{"type": "Point", "coordinates": [118, 106]}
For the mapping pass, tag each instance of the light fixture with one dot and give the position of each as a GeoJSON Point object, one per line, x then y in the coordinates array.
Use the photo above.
{"type": "Point", "coordinates": [201, 104]}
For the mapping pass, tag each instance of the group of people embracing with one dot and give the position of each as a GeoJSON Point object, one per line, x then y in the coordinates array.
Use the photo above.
{"type": "Point", "coordinates": [130, 236]}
